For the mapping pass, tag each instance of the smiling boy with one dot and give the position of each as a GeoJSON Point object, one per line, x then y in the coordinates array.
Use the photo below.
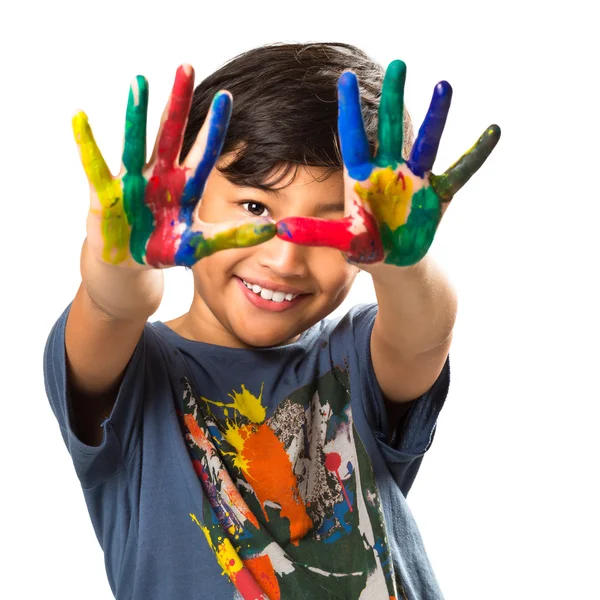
{"type": "Point", "coordinates": [252, 447]}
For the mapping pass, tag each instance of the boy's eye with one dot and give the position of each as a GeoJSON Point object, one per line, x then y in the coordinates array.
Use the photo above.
{"type": "Point", "coordinates": [255, 208]}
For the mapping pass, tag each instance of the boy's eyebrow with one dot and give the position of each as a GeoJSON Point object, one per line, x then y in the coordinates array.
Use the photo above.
{"type": "Point", "coordinates": [331, 207]}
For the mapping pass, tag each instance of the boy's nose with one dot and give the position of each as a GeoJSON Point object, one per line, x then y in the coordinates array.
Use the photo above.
{"type": "Point", "coordinates": [285, 259]}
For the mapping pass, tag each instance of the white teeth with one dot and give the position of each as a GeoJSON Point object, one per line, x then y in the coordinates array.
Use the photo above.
{"type": "Point", "coordinates": [269, 294]}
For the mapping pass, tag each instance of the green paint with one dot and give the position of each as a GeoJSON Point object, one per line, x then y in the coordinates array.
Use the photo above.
{"type": "Point", "coordinates": [447, 184]}
{"type": "Point", "coordinates": [409, 243]}
{"type": "Point", "coordinates": [390, 131]}
{"type": "Point", "coordinates": [134, 183]}
{"type": "Point", "coordinates": [241, 236]}
{"type": "Point", "coordinates": [134, 150]}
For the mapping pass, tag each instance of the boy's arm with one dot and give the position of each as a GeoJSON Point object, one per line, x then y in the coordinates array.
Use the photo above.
{"type": "Point", "coordinates": [413, 328]}
{"type": "Point", "coordinates": [103, 328]}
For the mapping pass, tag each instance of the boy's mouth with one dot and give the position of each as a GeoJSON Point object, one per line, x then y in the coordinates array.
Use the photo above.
{"type": "Point", "coordinates": [274, 300]}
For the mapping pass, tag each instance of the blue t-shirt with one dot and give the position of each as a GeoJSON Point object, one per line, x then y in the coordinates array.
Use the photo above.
{"type": "Point", "coordinates": [229, 473]}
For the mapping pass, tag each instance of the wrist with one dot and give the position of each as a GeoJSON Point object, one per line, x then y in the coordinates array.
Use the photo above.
{"type": "Point", "coordinates": [386, 274]}
{"type": "Point", "coordinates": [121, 293]}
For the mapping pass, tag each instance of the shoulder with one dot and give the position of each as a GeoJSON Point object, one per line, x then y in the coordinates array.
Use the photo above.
{"type": "Point", "coordinates": [357, 321]}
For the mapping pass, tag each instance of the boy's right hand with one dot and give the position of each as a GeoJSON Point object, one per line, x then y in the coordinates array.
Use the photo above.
{"type": "Point", "coordinates": [145, 217]}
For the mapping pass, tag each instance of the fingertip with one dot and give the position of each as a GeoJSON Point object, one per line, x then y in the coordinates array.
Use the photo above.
{"type": "Point", "coordinates": [78, 114]}
{"type": "Point", "coordinates": [222, 100]}
{"type": "Point", "coordinates": [443, 88]}
{"type": "Point", "coordinates": [347, 78]}
{"type": "Point", "coordinates": [79, 123]}
{"type": "Point", "coordinates": [397, 68]}
{"type": "Point", "coordinates": [186, 69]}
{"type": "Point", "coordinates": [494, 130]}
{"type": "Point", "coordinates": [139, 82]}
{"type": "Point", "coordinates": [224, 93]}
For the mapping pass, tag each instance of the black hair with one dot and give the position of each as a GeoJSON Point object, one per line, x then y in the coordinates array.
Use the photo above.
{"type": "Point", "coordinates": [285, 109]}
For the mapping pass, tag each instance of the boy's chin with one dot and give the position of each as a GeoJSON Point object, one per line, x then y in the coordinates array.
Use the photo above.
{"type": "Point", "coordinates": [260, 337]}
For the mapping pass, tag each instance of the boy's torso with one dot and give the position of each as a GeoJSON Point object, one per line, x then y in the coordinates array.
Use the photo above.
{"type": "Point", "coordinates": [255, 472]}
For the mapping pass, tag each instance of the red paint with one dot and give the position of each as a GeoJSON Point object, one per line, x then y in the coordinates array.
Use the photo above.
{"type": "Point", "coordinates": [362, 248]}
{"type": "Point", "coordinates": [367, 247]}
{"type": "Point", "coordinates": [269, 305]}
{"type": "Point", "coordinates": [247, 586]}
{"type": "Point", "coordinates": [308, 231]}
{"type": "Point", "coordinates": [171, 134]}
{"type": "Point", "coordinates": [165, 186]}
{"type": "Point", "coordinates": [399, 177]}
{"type": "Point", "coordinates": [333, 462]}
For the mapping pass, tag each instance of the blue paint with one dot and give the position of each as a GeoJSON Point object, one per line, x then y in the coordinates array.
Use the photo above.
{"type": "Point", "coordinates": [427, 143]}
{"type": "Point", "coordinates": [194, 187]}
{"type": "Point", "coordinates": [186, 255]}
{"type": "Point", "coordinates": [330, 528]}
{"type": "Point", "coordinates": [351, 128]}
{"type": "Point", "coordinates": [283, 229]}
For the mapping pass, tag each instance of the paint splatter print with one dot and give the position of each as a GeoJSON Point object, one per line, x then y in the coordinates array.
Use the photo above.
{"type": "Point", "coordinates": [293, 508]}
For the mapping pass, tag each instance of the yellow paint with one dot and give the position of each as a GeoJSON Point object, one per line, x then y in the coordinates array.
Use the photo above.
{"type": "Point", "coordinates": [249, 405]}
{"type": "Point", "coordinates": [227, 557]}
{"type": "Point", "coordinates": [246, 403]}
{"type": "Point", "coordinates": [114, 227]}
{"type": "Point", "coordinates": [386, 197]}
{"type": "Point", "coordinates": [236, 436]}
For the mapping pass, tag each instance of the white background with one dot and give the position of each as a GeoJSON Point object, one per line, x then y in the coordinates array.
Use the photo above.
{"type": "Point", "coordinates": [507, 498]}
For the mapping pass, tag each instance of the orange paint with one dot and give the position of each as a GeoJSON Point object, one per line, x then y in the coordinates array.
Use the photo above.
{"type": "Point", "coordinates": [264, 574]}
{"type": "Point", "coordinates": [272, 478]}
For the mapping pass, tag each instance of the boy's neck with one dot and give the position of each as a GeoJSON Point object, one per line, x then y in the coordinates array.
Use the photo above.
{"type": "Point", "coordinates": [210, 331]}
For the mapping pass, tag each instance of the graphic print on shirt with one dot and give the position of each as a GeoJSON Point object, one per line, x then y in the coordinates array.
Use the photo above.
{"type": "Point", "coordinates": [293, 509]}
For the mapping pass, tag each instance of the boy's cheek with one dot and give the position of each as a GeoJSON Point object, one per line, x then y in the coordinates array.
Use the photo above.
{"type": "Point", "coordinates": [334, 273]}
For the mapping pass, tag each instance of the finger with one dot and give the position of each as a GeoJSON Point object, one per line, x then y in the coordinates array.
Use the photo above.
{"type": "Point", "coordinates": [351, 128]}
{"type": "Point", "coordinates": [447, 184]}
{"type": "Point", "coordinates": [363, 247]}
{"type": "Point", "coordinates": [134, 148]}
{"type": "Point", "coordinates": [309, 231]}
{"type": "Point", "coordinates": [94, 165]}
{"type": "Point", "coordinates": [390, 130]}
{"type": "Point", "coordinates": [206, 151]}
{"type": "Point", "coordinates": [427, 143]}
{"type": "Point", "coordinates": [170, 135]}
{"type": "Point", "coordinates": [214, 237]}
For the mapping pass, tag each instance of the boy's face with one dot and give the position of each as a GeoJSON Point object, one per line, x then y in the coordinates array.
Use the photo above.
{"type": "Point", "coordinates": [225, 311]}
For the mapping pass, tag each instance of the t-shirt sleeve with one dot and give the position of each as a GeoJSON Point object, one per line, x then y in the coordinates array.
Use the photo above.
{"type": "Point", "coordinates": [95, 464]}
{"type": "Point", "coordinates": [414, 434]}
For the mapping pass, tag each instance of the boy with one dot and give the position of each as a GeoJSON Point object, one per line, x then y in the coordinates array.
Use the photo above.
{"type": "Point", "coordinates": [252, 448]}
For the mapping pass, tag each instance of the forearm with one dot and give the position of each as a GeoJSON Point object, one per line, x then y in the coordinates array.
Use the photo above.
{"type": "Point", "coordinates": [417, 307]}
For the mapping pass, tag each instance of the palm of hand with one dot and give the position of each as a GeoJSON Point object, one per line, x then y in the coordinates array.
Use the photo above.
{"type": "Point", "coordinates": [145, 216]}
{"type": "Point", "coordinates": [393, 206]}
{"type": "Point", "coordinates": [404, 212]}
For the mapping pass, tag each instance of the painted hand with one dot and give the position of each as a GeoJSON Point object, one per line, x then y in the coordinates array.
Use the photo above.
{"type": "Point", "coordinates": [146, 215]}
{"type": "Point", "coordinates": [393, 207]}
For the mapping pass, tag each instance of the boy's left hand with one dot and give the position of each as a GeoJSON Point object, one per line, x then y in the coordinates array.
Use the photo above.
{"type": "Point", "coordinates": [393, 207]}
